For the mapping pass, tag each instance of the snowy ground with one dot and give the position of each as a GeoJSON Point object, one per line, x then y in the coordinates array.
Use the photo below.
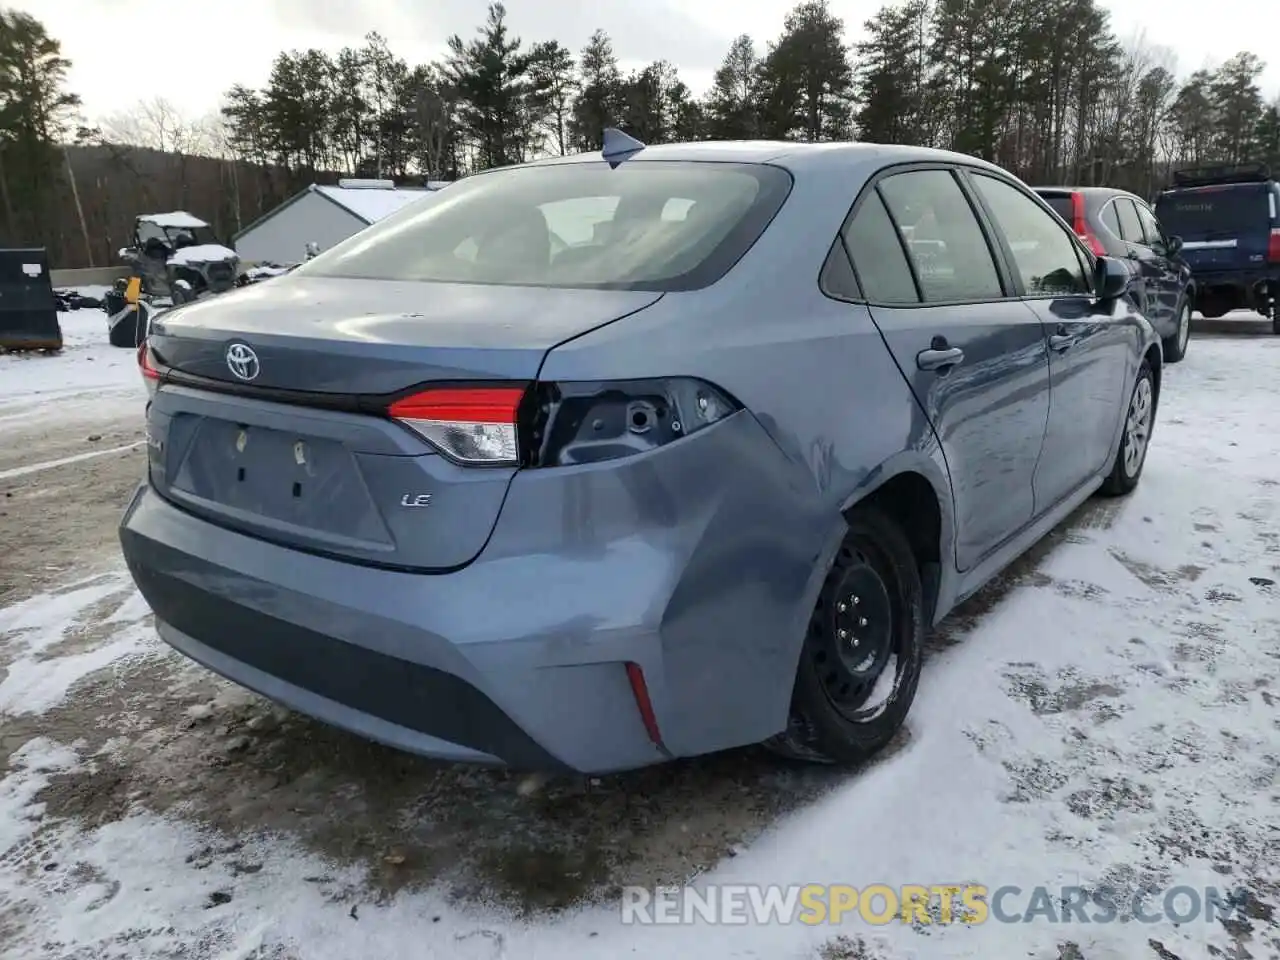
{"type": "Point", "coordinates": [87, 365]}
{"type": "Point", "coordinates": [1107, 714]}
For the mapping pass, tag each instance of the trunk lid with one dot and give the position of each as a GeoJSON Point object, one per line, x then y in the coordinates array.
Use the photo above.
{"type": "Point", "coordinates": [300, 453]}
{"type": "Point", "coordinates": [361, 337]}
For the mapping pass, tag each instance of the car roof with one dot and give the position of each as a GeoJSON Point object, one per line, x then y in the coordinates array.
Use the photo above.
{"type": "Point", "coordinates": [1230, 184]}
{"type": "Point", "coordinates": [1091, 192]}
{"type": "Point", "coordinates": [800, 158]}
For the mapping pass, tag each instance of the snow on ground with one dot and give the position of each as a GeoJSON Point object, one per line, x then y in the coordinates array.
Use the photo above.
{"type": "Point", "coordinates": [87, 364]}
{"type": "Point", "coordinates": [1109, 716]}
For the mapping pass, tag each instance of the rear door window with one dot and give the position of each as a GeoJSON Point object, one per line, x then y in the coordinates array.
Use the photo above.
{"type": "Point", "coordinates": [944, 241]}
{"type": "Point", "coordinates": [1046, 256]}
{"type": "Point", "coordinates": [837, 278]}
{"type": "Point", "coordinates": [1111, 219]}
{"type": "Point", "coordinates": [1130, 225]}
{"type": "Point", "coordinates": [878, 255]}
{"type": "Point", "coordinates": [646, 225]}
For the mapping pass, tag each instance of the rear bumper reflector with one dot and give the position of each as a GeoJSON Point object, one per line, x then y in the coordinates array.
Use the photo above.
{"type": "Point", "coordinates": [640, 690]}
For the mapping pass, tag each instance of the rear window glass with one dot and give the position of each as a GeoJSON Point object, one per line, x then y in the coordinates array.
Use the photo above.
{"type": "Point", "coordinates": [642, 226]}
{"type": "Point", "coordinates": [1222, 211]}
{"type": "Point", "coordinates": [1061, 205]}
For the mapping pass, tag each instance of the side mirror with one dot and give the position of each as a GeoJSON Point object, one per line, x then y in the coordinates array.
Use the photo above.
{"type": "Point", "coordinates": [1174, 246]}
{"type": "Point", "coordinates": [1111, 278]}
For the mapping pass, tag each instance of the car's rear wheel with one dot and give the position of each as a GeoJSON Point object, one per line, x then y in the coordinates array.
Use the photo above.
{"type": "Point", "coordinates": [1135, 439]}
{"type": "Point", "coordinates": [860, 663]}
{"type": "Point", "coordinates": [1175, 347]}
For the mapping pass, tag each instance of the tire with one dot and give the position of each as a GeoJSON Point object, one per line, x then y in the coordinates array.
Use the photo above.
{"type": "Point", "coordinates": [1175, 347]}
{"type": "Point", "coordinates": [1126, 469]}
{"type": "Point", "coordinates": [874, 573]}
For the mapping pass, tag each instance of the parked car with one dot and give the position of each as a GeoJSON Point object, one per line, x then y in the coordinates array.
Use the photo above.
{"type": "Point", "coordinates": [702, 478]}
{"type": "Point", "coordinates": [1116, 223]}
{"type": "Point", "coordinates": [1229, 219]}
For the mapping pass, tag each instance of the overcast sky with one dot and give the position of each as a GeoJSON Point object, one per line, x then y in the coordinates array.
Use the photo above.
{"type": "Point", "coordinates": [118, 47]}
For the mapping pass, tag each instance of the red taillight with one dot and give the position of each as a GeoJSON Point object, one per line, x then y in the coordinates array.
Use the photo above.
{"type": "Point", "coordinates": [145, 364]}
{"type": "Point", "coordinates": [150, 373]}
{"type": "Point", "coordinates": [1081, 227]}
{"type": "Point", "coordinates": [640, 690]}
{"type": "Point", "coordinates": [470, 424]}
{"type": "Point", "coordinates": [1273, 246]}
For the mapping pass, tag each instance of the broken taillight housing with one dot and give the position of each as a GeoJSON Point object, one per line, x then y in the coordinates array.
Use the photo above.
{"type": "Point", "coordinates": [560, 424]}
{"type": "Point", "coordinates": [588, 422]}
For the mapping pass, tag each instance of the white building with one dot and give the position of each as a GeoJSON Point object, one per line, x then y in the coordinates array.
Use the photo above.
{"type": "Point", "coordinates": [322, 215]}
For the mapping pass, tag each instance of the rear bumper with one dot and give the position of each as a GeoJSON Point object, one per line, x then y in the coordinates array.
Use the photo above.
{"type": "Point", "coordinates": [1247, 286]}
{"type": "Point", "coordinates": [521, 657]}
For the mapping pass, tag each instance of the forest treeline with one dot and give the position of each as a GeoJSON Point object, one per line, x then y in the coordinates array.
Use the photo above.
{"type": "Point", "coordinates": [1042, 87]}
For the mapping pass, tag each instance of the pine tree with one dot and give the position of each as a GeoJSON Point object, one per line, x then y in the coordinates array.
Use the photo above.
{"type": "Point", "coordinates": [36, 111]}
{"type": "Point", "coordinates": [732, 110]}
{"type": "Point", "coordinates": [599, 102]}
{"type": "Point", "coordinates": [806, 80]}
{"type": "Point", "coordinates": [491, 75]}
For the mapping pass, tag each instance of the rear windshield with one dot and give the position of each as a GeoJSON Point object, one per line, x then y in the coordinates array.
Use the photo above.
{"type": "Point", "coordinates": [1061, 204]}
{"type": "Point", "coordinates": [1215, 211]}
{"type": "Point", "coordinates": [642, 226]}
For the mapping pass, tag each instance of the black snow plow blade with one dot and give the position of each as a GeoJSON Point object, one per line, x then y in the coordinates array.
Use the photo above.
{"type": "Point", "coordinates": [28, 310]}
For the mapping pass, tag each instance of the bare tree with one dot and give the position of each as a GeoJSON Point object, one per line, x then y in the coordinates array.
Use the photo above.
{"type": "Point", "coordinates": [159, 125]}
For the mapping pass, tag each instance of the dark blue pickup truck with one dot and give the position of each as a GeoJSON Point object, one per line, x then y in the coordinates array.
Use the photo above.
{"type": "Point", "coordinates": [1228, 218]}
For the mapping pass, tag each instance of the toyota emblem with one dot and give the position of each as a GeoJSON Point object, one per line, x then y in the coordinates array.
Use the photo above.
{"type": "Point", "coordinates": [243, 362]}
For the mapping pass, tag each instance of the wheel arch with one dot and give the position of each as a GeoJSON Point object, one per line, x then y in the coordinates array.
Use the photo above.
{"type": "Point", "coordinates": [916, 494]}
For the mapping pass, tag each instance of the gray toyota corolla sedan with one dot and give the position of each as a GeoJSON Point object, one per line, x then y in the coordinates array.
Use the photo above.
{"type": "Point", "coordinates": [594, 462]}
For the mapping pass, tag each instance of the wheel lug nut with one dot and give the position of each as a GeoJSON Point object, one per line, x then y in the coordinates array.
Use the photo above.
{"type": "Point", "coordinates": [844, 634]}
{"type": "Point", "coordinates": [862, 621]}
{"type": "Point", "coordinates": [843, 608]}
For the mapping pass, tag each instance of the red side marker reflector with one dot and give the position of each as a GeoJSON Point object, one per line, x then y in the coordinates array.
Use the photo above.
{"type": "Point", "coordinates": [461, 405]}
{"type": "Point", "coordinates": [640, 690]}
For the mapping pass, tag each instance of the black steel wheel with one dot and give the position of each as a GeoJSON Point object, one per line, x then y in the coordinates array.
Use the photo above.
{"type": "Point", "coordinates": [852, 641]}
{"type": "Point", "coordinates": [860, 662]}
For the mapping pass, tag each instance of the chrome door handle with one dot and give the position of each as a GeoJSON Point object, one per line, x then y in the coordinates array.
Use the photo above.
{"type": "Point", "coordinates": [935, 359]}
{"type": "Point", "coordinates": [1060, 341]}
